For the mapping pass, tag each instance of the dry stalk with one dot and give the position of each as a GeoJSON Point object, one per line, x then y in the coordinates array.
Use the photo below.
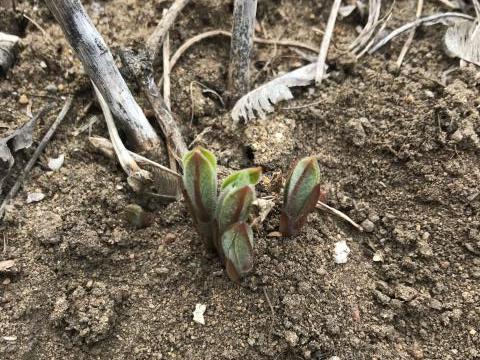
{"type": "Point", "coordinates": [166, 71]}
{"type": "Point", "coordinates": [155, 41]}
{"type": "Point", "coordinates": [407, 44]}
{"type": "Point", "coordinates": [142, 71]}
{"type": "Point", "coordinates": [432, 19]}
{"type": "Point", "coordinates": [322, 55]}
{"type": "Point", "coordinates": [374, 7]}
{"type": "Point", "coordinates": [126, 161]}
{"type": "Point", "coordinates": [325, 207]}
{"type": "Point", "coordinates": [213, 33]}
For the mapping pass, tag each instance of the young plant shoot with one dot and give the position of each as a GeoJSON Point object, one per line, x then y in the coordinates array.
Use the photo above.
{"type": "Point", "coordinates": [235, 236]}
{"type": "Point", "coordinates": [222, 221]}
{"type": "Point", "coordinates": [300, 196]}
{"type": "Point", "coordinates": [200, 191]}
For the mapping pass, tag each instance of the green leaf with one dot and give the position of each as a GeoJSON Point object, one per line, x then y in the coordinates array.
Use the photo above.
{"type": "Point", "coordinates": [200, 188]}
{"type": "Point", "coordinates": [250, 176]}
{"type": "Point", "coordinates": [237, 245]}
{"type": "Point", "coordinates": [234, 205]}
{"type": "Point", "coordinates": [301, 194]}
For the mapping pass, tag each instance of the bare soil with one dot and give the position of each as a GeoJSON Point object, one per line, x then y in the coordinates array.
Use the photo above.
{"type": "Point", "coordinates": [397, 150]}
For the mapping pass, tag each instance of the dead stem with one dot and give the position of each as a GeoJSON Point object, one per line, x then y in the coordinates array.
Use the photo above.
{"type": "Point", "coordinates": [105, 146]}
{"type": "Point", "coordinates": [322, 54]}
{"type": "Point", "coordinates": [432, 18]}
{"type": "Point", "coordinates": [325, 207]}
{"type": "Point", "coordinates": [166, 71]}
{"type": "Point", "coordinates": [143, 73]}
{"type": "Point", "coordinates": [212, 33]}
{"type": "Point", "coordinates": [374, 8]}
{"type": "Point", "coordinates": [126, 161]}
{"type": "Point", "coordinates": [37, 25]}
{"type": "Point", "coordinates": [156, 39]}
{"type": "Point", "coordinates": [407, 44]}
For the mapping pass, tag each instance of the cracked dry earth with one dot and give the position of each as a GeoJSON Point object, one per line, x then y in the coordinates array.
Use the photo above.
{"type": "Point", "coordinates": [399, 153]}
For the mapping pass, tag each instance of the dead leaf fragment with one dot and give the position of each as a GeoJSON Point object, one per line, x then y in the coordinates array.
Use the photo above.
{"type": "Point", "coordinates": [56, 163]}
{"type": "Point", "coordinates": [17, 140]}
{"type": "Point", "coordinates": [35, 197]}
{"type": "Point", "coordinates": [264, 206]}
{"type": "Point", "coordinates": [198, 313]}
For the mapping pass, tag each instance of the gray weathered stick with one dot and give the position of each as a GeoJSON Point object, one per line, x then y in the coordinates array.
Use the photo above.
{"type": "Point", "coordinates": [99, 64]}
{"type": "Point", "coordinates": [241, 46]}
{"type": "Point", "coordinates": [8, 51]}
{"type": "Point", "coordinates": [38, 151]}
{"type": "Point", "coordinates": [142, 70]}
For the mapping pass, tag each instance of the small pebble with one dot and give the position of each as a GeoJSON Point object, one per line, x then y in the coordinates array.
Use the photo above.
{"type": "Point", "coordinates": [51, 88]}
{"type": "Point", "coordinates": [35, 197]}
{"type": "Point", "coordinates": [381, 297]}
{"type": "Point", "coordinates": [368, 226]}
{"type": "Point", "coordinates": [169, 238]}
{"type": "Point", "coordinates": [429, 94]}
{"type": "Point", "coordinates": [356, 132]}
{"type": "Point", "coordinates": [137, 217]}
{"type": "Point", "coordinates": [291, 338]}
{"type": "Point", "coordinates": [23, 100]}
{"type": "Point", "coordinates": [405, 293]}
{"type": "Point", "coordinates": [435, 304]}
{"type": "Point", "coordinates": [425, 249]}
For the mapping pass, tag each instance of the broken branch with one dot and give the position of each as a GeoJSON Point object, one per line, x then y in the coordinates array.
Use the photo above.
{"type": "Point", "coordinates": [105, 146]}
{"type": "Point", "coordinates": [142, 70]}
{"type": "Point", "coordinates": [100, 66]}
